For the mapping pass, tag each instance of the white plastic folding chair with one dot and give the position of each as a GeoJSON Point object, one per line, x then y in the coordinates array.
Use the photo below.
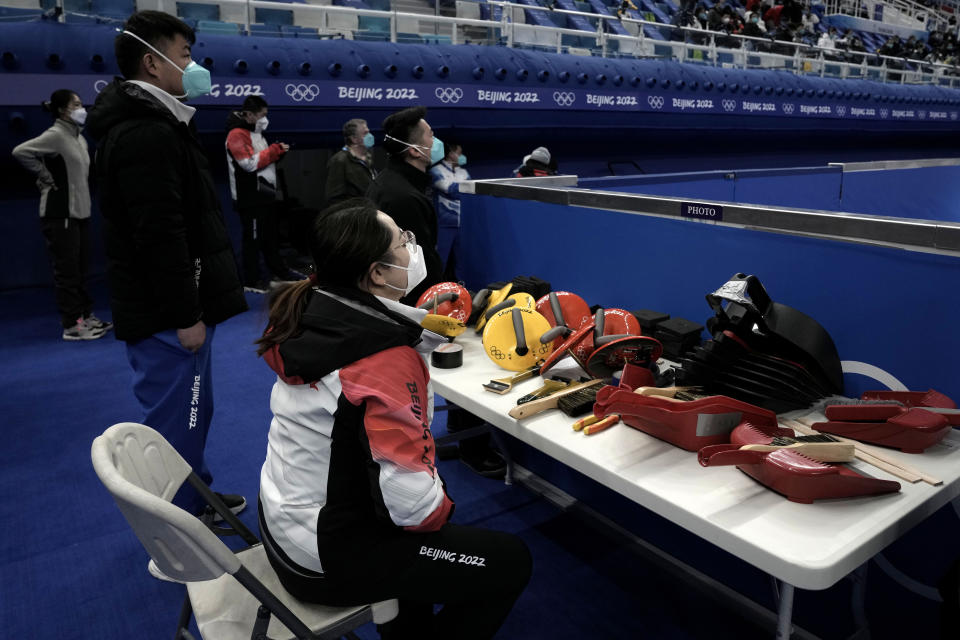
{"type": "Point", "coordinates": [232, 594]}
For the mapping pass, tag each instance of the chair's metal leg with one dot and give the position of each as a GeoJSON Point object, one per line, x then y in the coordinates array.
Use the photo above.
{"type": "Point", "coordinates": [214, 501]}
{"type": "Point", "coordinates": [266, 597]}
{"type": "Point", "coordinates": [858, 599]}
{"type": "Point", "coordinates": [183, 624]}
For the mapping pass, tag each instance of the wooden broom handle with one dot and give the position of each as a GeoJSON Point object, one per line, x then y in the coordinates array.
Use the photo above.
{"type": "Point", "coordinates": [550, 402]}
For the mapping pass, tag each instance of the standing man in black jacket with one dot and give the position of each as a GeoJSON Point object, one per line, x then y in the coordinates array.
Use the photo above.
{"type": "Point", "coordinates": [172, 271]}
{"type": "Point", "coordinates": [350, 170]}
{"type": "Point", "coordinates": [400, 189]}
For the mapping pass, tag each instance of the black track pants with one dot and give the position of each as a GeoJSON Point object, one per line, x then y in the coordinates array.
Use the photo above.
{"type": "Point", "coordinates": [476, 575]}
{"type": "Point", "coordinates": [68, 243]}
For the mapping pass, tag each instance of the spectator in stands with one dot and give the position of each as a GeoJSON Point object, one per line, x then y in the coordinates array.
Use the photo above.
{"type": "Point", "coordinates": [536, 164]}
{"type": "Point", "coordinates": [173, 274]}
{"type": "Point", "coordinates": [892, 47]}
{"type": "Point", "coordinates": [719, 16]}
{"type": "Point", "coordinates": [772, 17]}
{"type": "Point", "coordinates": [350, 170]}
{"type": "Point", "coordinates": [400, 189]}
{"type": "Point", "coordinates": [447, 176]}
{"type": "Point", "coordinates": [252, 166]}
{"type": "Point", "coordinates": [754, 28]}
{"type": "Point", "coordinates": [625, 5]}
{"type": "Point", "coordinates": [350, 493]}
{"type": "Point", "coordinates": [809, 22]}
{"type": "Point", "coordinates": [687, 20]}
{"type": "Point", "coordinates": [59, 160]}
{"type": "Point", "coordinates": [828, 39]}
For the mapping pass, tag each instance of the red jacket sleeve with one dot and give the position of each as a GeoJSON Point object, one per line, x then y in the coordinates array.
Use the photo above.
{"type": "Point", "coordinates": [393, 386]}
{"type": "Point", "coordinates": [241, 148]}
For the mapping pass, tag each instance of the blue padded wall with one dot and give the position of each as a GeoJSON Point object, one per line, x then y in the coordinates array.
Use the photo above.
{"type": "Point", "coordinates": [927, 193]}
{"type": "Point", "coordinates": [887, 307]}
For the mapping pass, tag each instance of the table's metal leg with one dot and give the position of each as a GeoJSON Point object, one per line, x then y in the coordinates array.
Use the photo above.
{"type": "Point", "coordinates": [785, 612]}
{"type": "Point", "coordinates": [858, 600]}
{"type": "Point", "coordinates": [502, 446]}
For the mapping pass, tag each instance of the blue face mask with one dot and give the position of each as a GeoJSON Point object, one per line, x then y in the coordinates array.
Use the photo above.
{"type": "Point", "coordinates": [462, 160]}
{"type": "Point", "coordinates": [196, 79]}
{"type": "Point", "coordinates": [436, 151]}
{"type": "Point", "coordinates": [368, 141]}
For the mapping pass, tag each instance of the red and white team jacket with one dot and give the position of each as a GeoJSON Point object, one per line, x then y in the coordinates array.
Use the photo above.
{"type": "Point", "coordinates": [249, 152]}
{"type": "Point", "coordinates": [349, 448]}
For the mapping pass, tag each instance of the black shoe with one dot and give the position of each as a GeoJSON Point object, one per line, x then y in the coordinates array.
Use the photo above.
{"type": "Point", "coordinates": [491, 465]}
{"type": "Point", "coordinates": [235, 503]}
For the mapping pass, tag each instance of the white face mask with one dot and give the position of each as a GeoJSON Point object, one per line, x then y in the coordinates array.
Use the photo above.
{"type": "Point", "coordinates": [416, 270]}
{"type": "Point", "coordinates": [261, 124]}
{"type": "Point", "coordinates": [79, 116]}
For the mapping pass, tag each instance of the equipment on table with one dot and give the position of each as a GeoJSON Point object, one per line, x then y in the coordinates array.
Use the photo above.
{"type": "Point", "coordinates": [592, 424]}
{"type": "Point", "coordinates": [890, 425]}
{"type": "Point", "coordinates": [798, 477]}
{"type": "Point", "coordinates": [688, 425]}
{"type": "Point", "coordinates": [492, 299]}
{"type": "Point", "coordinates": [930, 400]}
{"type": "Point", "coordinates": [565, 312]}
{"type": "Point", "coordinates": [636, 352]}
{"type": "Point", "coordinates": [444, 325]}
{"type": "Point", "coordinates": [818, 449]}
{"type": "Point", "coordinates": [447, 299]}
{"type": "Point", "coordinates": [551, 402]}
{"type": "Point", "coordinates": [549, 387]}
{"type": "Point", "coordinates": [743, 307]}
{"type": "Point", "coordinates": [447, 356]}
{"type": "Point", "coordinates": [609, 324]}
{"type": "Point", "coordinates": [678, 336]}
{"type": "Point", "coordinates": [649, 319]}
{"type": "Point", "coordinates": [511, 338]}
{"type": "Point", "coordinates": [503, 385]}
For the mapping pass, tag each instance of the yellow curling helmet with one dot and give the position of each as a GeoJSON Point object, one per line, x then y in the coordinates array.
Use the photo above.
{"type": "Point", "coordinates": [511, 338]}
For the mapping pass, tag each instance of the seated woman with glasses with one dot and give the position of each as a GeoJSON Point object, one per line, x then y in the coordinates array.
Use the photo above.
{"type": "Point", "coordinates": [350, 496]}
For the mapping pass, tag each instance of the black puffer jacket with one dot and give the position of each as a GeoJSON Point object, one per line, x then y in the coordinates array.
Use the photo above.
{"type": "Point", "coordinates": [400, 192]}
{"type": "Point", "coordinates": [169, 257]}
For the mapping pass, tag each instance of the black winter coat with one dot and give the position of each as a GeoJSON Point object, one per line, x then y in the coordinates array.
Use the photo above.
{"type": "Point", "coordinates": [347, 177]}
{"type": "Point", "coordinates": [169, 258]}
{"type": "Point", "coordinates": [400, 191]}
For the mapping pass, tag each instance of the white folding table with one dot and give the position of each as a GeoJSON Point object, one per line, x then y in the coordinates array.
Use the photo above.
{"type": "Point", "coordinates": [816, 544]}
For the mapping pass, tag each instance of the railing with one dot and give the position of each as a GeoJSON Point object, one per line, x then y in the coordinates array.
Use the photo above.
{"type": "Point", "coordinates": [901, 12]}
{"type": "Point", "coordinates": [684, 44]}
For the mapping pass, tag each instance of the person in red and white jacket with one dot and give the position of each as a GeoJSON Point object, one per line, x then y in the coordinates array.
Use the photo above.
{"type": "Point", "coordinates": [252, 165]}
{"type": "Point", "coordinates": [350, 493]}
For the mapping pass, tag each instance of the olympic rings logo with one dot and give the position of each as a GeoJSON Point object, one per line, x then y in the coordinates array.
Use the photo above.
{"type": "Point", "coordinates": [729, 105]}
{"type": "Point", "coordinates": [922, 115]}
{"type": "Point", "coordinates": [302, 92]}
{"type": "Point", "coordinates": [841, 110]}
{"type": "Point", "coordinates": [787, 107]}
{"type": "Point", "coordinates": [953, 115]}
{"type": "Point", "coordinates": [99, 85]}
{"type": "Point", "coordinates": [448, 95]}
{"type": "Point", "coordinates": [564, 98]}
{"type": "Point", "coordinates": [884, 113]}
{"type": "Point", "coordinates": [655, 101]}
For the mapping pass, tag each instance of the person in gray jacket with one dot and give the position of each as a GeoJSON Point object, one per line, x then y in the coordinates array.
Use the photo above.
{"type": "Point", "coordinates": [59, 159]}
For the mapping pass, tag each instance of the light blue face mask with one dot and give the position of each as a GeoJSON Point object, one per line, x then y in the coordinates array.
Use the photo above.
{"type": "Point", "coordinates": [196, 79]}
{"type": "Point", "coordinates": [368, 140]}
{"type": "Point", "coordinates": [462, 160]}
{"type": "Point", "coordinates": [436, 151]}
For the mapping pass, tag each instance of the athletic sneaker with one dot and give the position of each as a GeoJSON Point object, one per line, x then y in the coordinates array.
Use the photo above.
{"type": "Point", "coordinates": [82, 331]}
{"type": "Point", "coordinates": [234, 502]}
{"type": "Point", "coordinates": [96, 323]}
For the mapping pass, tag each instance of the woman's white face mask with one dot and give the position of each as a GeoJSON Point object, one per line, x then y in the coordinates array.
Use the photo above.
{"type": "Point", "coordinates": [417, 267]}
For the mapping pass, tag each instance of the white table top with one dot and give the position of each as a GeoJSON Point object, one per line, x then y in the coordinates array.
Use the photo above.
{"type": "Point", "coordinates": [809, 546]}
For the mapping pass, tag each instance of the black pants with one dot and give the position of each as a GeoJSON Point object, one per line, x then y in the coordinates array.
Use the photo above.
{"type": "Point", "coordinates": [476, 575]}
{"type": "Point", "coordinates": [68, 242]}
{"type": "Point", "coordinates": [260, 236]}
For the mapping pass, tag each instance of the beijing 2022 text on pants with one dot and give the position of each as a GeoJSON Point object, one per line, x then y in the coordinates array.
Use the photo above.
{"type": "Point", "coordinates": [476, 574]}
{"type": "Point", "coordinates": [175, 390]}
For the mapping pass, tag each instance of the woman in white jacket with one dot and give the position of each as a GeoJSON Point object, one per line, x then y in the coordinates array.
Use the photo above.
{"type": "Point", "coordinates": [59, 160]}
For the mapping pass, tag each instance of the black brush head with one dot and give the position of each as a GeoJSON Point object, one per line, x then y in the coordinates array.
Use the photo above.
{"type": "Point", "coordinates": [578, 403]}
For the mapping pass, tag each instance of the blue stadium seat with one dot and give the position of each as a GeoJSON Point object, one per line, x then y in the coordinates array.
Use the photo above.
{"type": "Point", "coordinates": [293, 31]}
{"type": "Point", "coordinates": [371, 23]}
{"type": "Point", "coordinates": [215, 26]}
{"type": "Point", "coordinates": [198, 11]}
{"type": "Point", "coordinates": [410, 38]}
{"type": "Point", "coordinates": [273, 16]}
{"type": "Point", "coordinates": [268, 30]}
{"type": "Point", "coordinates": [113, 8]}
{"type": "Point", "coordinates": [372, 36]}
{"type": "Point", "coordinates": [13, 14]}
